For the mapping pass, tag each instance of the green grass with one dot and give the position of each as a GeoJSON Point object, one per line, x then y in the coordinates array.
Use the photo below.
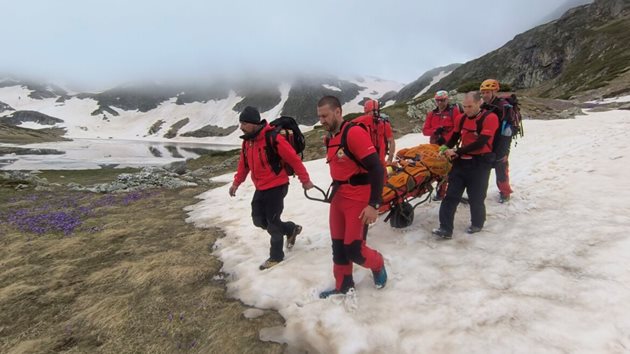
{"type": "Point", "coordinates": [17, 135]}
{"type": "Point", "coordinates": [143, 283]}
{"type": "Point", "coordinates": [593, 68]}
{"type": "Point", "coordinates": [401, 123]}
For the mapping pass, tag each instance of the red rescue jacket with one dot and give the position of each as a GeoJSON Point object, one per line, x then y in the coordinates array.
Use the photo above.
{"type": "Point", "coordinates": [445, 119]}
{"type": "Point", "coordinates": [254, 159]}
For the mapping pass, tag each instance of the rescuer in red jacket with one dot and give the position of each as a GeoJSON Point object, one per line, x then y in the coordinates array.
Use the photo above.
{"type": "Point", "coordinates": [439, 122]}
{"type": "Point", "coordinates": [271, 187]}
{"type": "Point", "coordinates": [357, 174]}
{"type": "Point", "coordinates": [472, 161]}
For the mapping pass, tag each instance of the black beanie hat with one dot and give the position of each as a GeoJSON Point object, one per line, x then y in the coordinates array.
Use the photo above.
{"type": "Point", "coordinates": [250, 115]}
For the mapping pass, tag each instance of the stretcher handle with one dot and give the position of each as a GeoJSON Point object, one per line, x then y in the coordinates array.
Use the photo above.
{"type": "Point", "coordinates": [325, 195]}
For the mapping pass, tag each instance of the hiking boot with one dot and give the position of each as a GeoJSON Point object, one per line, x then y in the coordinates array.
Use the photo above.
{"type": "Point", "coordinates": [442, 233]}
{"type": "Point", "coordinates": [380, 278]}
{"type": "Point", "coordinates": [327, 293]}
{"type": "Point", "coordinates": [504, 198]}
{"type": "Point", "coordinates": [473, 229]}
{"type": "Point", "coordinates": [291, 238]}
{"type": "Point", "coordinates": [269, 263]}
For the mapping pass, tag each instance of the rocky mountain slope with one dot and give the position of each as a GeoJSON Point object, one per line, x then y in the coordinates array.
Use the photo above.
{"type": "Point", "coordinates": [588, 48]}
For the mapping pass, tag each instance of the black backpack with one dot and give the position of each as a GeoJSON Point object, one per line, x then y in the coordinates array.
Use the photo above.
{"type": "Point", "coordinates": [509, 116]}
{"type": "Point", "coordinates": [500, 143]}
{"type": "Point", "coordinates": [514, 117]}
{"type": "Point", "coordinates": [287, 127]}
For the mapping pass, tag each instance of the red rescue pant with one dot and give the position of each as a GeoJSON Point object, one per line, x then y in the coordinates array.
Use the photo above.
{"type": "Point", "coordinates": [502, 172]}
{"type": "Point", "coordinates": [348, 241]}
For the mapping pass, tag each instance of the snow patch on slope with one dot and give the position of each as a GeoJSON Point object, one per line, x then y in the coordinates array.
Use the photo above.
{"type": "Point", "coordinates": [435, 80]}
{"type": "Point", "coordinates": [375, 89]}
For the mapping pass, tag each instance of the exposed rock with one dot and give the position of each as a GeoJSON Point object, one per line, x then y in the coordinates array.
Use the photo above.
{"type": "Point", "coordinates": [305, 93]}
{"type": "Point", "coordinates": [202, 93]}
{"type": "Point", "coordinates": [262, 97]}
{"type": "Point", "coordinates": [210, 130]}
{"type": "Point", "coordinates": [5, 107]}
{"type": "Point", "coordinates": [178, 167]}
{"type": "Point", "coordinates": [143, 97]}
{"type": "Point", "coordinates": [20, 117]}
{"type": "Point", "coordinates": [104, 109]}
{"type": "Point", "coordinates": [172, 132]}
{"type": "Point", "coordinates": [149, 177]}
{"type": "Point", "coordinates": [156, 127]}
{"type": "Point", "coordinates": [23, 179]}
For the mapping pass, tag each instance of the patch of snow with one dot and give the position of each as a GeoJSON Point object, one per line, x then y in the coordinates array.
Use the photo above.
{"type": "Point", "coordinates": [434, 81]}
{"type": "Point", "coordinates": [620, 99]}
{"type": "Point", "coordinates": [549, 270]}
{"type": "Point", "coordinates": [330, 87]}
{"type": "Point", "coordinates": [253, 313]}
{"type": "Point", "coordinates": [33, 125]}
{"type": "Point", "coordinates": [276, 111]}
{"type": "Point", "coordinates": [375, 88]}
{"type": "Point", "coordinates": [389, 103]}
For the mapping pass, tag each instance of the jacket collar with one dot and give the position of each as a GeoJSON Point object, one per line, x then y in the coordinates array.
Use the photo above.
{"type": "Point", "coordinates": [252, 136]}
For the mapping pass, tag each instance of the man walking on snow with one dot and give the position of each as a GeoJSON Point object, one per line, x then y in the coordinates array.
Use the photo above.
{"type": "Point", "coordinates": [271, 187]}
{"type": "Point", "coordinates": [357, 174]}
{"type": "Point", "coordinates": [489, 89]}
{"type": "Point", "coordinates": [472, 162]}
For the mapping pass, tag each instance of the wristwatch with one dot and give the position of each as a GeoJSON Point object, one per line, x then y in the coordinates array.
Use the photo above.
{"type": "Point", "coordinates": [375, 205]}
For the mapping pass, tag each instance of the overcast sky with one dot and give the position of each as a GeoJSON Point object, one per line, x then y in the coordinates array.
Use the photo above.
{"type": "Point", "coordinates": [105, 42]}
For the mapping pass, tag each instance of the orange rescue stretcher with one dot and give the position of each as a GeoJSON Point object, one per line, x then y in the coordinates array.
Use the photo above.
{"type": "Point", "coordinates": [412, 176]}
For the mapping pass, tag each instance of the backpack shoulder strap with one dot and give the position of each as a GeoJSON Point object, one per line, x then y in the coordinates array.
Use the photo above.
{"type": "Point", "coordinates": [244, 153]}
{"type": "Point", "coordinates": [271, 149]}
{"type": "Point", "coordinates": [344, 140]}
{"type": "Point", "coordinates": [461, 122]}
{"type": "Point", "coordinates": [481, 120]}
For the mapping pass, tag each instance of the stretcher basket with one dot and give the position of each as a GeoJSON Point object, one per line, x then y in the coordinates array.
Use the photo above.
{"type": "Point", "coordinates": [411, 181]}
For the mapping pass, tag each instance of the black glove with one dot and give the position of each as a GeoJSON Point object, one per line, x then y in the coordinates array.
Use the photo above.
{"type": "Point", "coordinates": [441, 141]}
{"type": "Point", "coordinates": [439, 131]}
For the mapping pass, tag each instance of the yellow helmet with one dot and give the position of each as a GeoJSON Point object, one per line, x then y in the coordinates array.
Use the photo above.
{"type": "Point", "coordinates": [489, 84]}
